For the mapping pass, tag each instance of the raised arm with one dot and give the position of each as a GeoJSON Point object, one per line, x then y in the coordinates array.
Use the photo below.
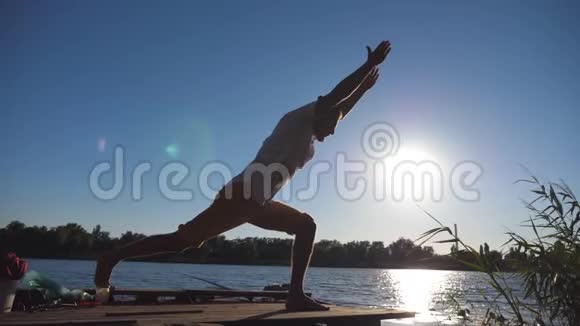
{"type": "Point", "coordinates": [345, 88]}
{"type": "Point", "coordinates": [348, 103]}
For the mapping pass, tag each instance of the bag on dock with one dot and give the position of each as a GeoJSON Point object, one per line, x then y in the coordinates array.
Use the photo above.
{"type": "Point", "coordinates": [38, 291]}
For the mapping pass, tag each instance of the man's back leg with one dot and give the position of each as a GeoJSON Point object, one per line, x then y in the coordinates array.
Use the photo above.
{"type": "Point", "coordinates": [221, 216]}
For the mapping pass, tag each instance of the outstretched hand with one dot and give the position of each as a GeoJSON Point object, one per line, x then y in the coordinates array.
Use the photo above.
{"type": "Point", "coordinates": [370, 79]}
{"type": "Point", "coordinates": [378, 55]}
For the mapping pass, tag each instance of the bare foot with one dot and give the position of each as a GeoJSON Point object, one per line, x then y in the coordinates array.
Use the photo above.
{"type": "Point", "coordinates": [105, 265]}
{"type": "Point", "coordinates": [301, 302]}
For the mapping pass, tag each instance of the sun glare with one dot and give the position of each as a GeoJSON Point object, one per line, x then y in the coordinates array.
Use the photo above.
{"type": "Point", "coordinates": [414, 154]}
{"type": "Point", "coordinates": [413, 175]}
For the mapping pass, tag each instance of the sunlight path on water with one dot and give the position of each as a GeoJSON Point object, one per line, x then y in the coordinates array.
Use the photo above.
{"type": "Point", "coordinates": [419, 291]}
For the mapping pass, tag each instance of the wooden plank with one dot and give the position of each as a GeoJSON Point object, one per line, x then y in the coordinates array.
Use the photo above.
{"type": "Point", "coordinates": [129, 322]}
{"type": "Point", "coordinates": [156, 313]}
{"type": "Point", "coordinates": [204, 292]}
{"type": "Point", "coordinates": [335, 316]}
{"type": "Point", "coordinates": [231, 313]}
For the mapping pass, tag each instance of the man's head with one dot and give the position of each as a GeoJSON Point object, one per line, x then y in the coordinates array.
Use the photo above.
{"type": "Point", "coordinates": [326, 118]}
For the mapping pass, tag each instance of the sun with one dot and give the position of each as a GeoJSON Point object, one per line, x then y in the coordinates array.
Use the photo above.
{"type": "Point", "coordinates": [414, 175]}
{"type": "Point", "coordinates": [412, 153]}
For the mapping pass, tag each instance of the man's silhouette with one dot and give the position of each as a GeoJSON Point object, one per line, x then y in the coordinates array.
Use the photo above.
{"type": "Point", "coordinates": [247, 198]}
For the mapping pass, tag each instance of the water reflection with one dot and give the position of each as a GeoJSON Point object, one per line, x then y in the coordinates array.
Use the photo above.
{"type": "Point", "coordinates": [418, 290]}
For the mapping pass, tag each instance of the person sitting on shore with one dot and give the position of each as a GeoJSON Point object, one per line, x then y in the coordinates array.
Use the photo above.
{"type": "Point", "coordinates": [247, 198]}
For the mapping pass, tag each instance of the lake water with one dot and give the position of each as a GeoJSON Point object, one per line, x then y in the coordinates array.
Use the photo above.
{"type": "Point", "coordinates": [430, 293]}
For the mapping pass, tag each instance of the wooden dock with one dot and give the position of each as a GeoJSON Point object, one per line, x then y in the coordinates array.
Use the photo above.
{"type": "Point", "coordinates": [200, 314]}
{"type": "Point", "coordinates": [150, 307]}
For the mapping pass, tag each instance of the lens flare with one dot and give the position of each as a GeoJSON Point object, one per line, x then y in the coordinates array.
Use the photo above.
{"type": "Point", "coordinates": [101, 144]}
{"type": "Point", "coordinates": [172, 150]}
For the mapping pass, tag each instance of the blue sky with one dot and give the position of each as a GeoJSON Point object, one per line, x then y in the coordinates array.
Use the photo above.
{"type": "Point", "coordinates": [494, 82]}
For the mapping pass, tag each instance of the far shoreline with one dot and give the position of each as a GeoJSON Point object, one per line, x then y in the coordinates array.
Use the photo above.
{"type": "Point", "coordinates": [259, 264]}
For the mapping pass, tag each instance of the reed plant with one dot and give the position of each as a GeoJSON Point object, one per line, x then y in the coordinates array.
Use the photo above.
{"type": "Point", "coordinates": [547, 263]}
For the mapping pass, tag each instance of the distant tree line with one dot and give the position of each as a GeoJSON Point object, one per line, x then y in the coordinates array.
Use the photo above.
{"type": "Point", "coordinates": [72, 241]}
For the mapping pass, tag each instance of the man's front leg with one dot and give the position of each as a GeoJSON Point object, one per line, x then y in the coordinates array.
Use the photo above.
{"type": "Point", "coordinates": [301, 253]}
{"type": "Point", "coordinates": [280, 217]}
